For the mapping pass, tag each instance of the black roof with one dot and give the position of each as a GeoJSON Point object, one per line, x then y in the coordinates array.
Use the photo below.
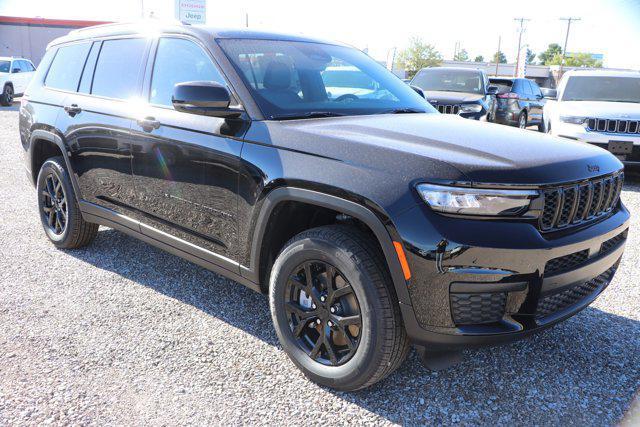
{"type": "Point", "coordinates": [200, 31]}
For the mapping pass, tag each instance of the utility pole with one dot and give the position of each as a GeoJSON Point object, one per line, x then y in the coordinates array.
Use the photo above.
{"type": "Point", "coordinates": [455, 50]}
{"type": "Point", "coordinates": [566, 39]}
{"type": "Point", "coordinates": [522, 21]}
{"type": "Point", "coordinates": [246, 19]}
{"type": "Point", "coordinates": [498, 54]}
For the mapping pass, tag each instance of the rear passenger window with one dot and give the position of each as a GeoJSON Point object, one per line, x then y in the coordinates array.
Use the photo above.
{"type": "Point", "coordinates": [178, 61]}
{"type": "Point", "coordinates": [536, 89]}
{"type": "Point", "coordinates": [66, 68]}
{"type": "Point", "coordinates": [118, 67]}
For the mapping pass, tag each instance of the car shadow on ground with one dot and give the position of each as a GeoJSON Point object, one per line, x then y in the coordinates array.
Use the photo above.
{"type": "Point", "coordinates": [13, 107]}
{"type": "Point", "coordinates": [583, 369]}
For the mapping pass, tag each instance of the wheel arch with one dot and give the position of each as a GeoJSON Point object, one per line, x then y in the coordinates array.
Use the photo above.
{"type": "Point", "coordinates": [327, 201]}
{"type": "Point", "coordinates": [44, 144]}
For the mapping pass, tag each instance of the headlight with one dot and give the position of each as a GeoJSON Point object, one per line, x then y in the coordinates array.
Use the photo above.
{"type": "Point", "coordinates": [573, 119]}
{"type": "Point", "coordinates": [470, 108]}
{"type": "Point", "coordinates": [476, 201]}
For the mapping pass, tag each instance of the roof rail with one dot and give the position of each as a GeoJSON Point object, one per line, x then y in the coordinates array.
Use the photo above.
{"type": "Point", "coordinates": [129, 23]}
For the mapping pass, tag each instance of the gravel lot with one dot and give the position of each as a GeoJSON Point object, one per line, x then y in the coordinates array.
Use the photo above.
{"type": "Point", "coordinates": [123, 333]}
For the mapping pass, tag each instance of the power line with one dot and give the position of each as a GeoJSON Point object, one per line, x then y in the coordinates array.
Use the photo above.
{"type": "Point", "coordinates": [566, 39]}
{"type": "Point", "coordinates": [522, 21]}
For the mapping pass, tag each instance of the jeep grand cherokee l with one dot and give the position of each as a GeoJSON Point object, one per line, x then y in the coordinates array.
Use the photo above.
{"type": "Point", "coordinates": [371, 223]}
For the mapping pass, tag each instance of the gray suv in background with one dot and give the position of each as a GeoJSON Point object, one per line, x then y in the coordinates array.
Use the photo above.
{"type": "Point", "coordinates": [519, 102]}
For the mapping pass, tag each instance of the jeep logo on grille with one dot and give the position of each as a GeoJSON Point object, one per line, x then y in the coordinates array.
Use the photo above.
{"type": "Point", "coordinates": [593, 168]}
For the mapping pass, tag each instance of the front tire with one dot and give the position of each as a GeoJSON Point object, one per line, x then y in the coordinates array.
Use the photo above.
{"type": "Point", "coordinates": [334, 308]}
{"type": "Point", "coordinates": [59, 211]}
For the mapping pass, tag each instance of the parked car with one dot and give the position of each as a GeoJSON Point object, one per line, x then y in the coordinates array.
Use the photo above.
{"type": "Point", "coordinates": [520, 102]}
{"type": "Point", "coordinates": [15, 75]}
{"type": "Point", "coordinates": [371, 223]}
{"type": "Point", "coordinates": [345, 83]}
{"type": "Point", "coordinates": [601, 108]}
{"type": "Point", "coordinates": [461, 91]}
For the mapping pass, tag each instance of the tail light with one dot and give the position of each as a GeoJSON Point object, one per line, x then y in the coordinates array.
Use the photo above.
{"type": "Point", "coordinates": [508, 95]}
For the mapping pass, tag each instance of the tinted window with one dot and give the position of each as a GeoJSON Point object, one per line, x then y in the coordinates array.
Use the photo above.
{"type": "Point", "coordinates": [442, 79]}
{"type": "Point", "coordinates": [535, 89]}
{"type": "Point", "coordinates": [26, 66]}
{"type": "Point", "coordinates": [65, 70]}
{"type": "Point", "coordinates": [177, 61]}
{"type": "Point", "coordinates": [504, 85]}
{"type": "Point", "coordinates": [118, 67]}
{"type": "Point", "coordinates": [602, 88]}
{"type": "Point", "coordinates": [5, 66]}
{"type": "Point", "coordinates": [286, 79]}
{"type": "Point", "coordinates": [89, 67]}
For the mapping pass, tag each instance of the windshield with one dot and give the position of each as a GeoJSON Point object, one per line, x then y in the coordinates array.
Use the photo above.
{"type": "Point", "coordinates": [4, 66]}
{"type": "Point", "coordinates": [601, 88]}
{"type": "Point", "coordinates": [296, 79]}
{"type": "Point", "coordinates": [438, 79]}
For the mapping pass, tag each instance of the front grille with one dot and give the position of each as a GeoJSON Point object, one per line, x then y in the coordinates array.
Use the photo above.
{"type": "Point", "coordinates": [472, 309]}
{"type": "Point", "coordinates": [613, 125]}
{"type": "Point", "coordinates": [565, 263]}
{"type": "Point", "coordinates": [449, 109]}
{"type": "Point", "coordinates": [575, 204]}
{"type": "Point", "coordinates": [568, 297]}
{"type": "Point", "coordinates": [609, 245]}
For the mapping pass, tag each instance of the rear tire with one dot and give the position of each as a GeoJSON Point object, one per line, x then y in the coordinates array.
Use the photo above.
{"type": "Point", "coordinates": [381, 342]}
{"type": "Point", "coordinates": [6, 99]}
{"type": "Point", "coordinates": [59, 211]}
{"type": "Point", "coordinates": [522, 120]}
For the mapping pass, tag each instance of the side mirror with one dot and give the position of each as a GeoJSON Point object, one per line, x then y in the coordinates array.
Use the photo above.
{"type": "Point", "coordinates": [417, 90]}
{"type": "Point", "coordinates": [549, 93]}
{"type": "Point", "coordinates": [492, 90]}
{"type": "Point", "coordinates": [204, 98]}
{"type": "Point", "coordinates": [15, 70]}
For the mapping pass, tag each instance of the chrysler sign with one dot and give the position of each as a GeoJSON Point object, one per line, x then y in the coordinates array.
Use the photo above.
{"type": "Point", "coordinates": [191, 11]}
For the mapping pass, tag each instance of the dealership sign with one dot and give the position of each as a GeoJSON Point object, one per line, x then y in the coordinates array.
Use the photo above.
{"type": "Point", "coordinates": [191, 11]}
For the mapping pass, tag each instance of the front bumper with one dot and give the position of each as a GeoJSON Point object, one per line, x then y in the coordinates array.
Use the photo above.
{"type": "Point", "coordinates": [500, 267]}
{"type": "Point", "coordinates": [601, 139]}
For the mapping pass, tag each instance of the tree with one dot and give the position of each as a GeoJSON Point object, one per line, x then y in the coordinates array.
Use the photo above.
{"type": "Point", "coordinates": [576, 60]}
{"type": "Point", "coordinates": [499, 57]}
{"type": "Point", "coordinates": [552, 50]}
{"type": "Point", "coordinates": [461, 55]}
{"type": "Point", "coordinates": [417, 56]}
{"type": "Point", "coordinates": [479, 58]}
{"type": "Point", "coordinates": [531, 56]}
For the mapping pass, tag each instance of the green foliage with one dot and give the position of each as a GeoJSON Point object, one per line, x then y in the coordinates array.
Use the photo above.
{"type": "Point", "coordinates": [417, 56]}
{"type": "Point", "coordinates": [462, 55]}
{"type": "Point", "coordinates": [499, 57]}
{"type": "Point", "coordinates": [552, 50]}
{"type": "Point", "coordinates": [531, 56]}
{"type": "Point", "coordinates": [577, 60]}
{"type": "Point", "coordinates": [479, 58]}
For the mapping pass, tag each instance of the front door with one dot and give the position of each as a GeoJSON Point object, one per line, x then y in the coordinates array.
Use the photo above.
{"type": "Point", "coordinates": [185, 166]}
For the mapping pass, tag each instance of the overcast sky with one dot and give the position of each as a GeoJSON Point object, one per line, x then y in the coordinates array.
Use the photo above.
{"type": "Point", "coordinates": [609, 27]}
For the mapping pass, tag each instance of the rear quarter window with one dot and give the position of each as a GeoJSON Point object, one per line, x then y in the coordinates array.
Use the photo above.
{"type": "Point", "coordinates": [66, 67]}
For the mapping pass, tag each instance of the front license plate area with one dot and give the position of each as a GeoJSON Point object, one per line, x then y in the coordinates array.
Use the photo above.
{"type": "Point", "coordinates": [620, 147]}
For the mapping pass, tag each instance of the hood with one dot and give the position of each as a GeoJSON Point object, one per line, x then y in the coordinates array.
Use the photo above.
{"type": "Point", "coordinates": [600, 109]}
{"type": "Point", "coordinates": [411, 144]}
{"type": "Point", "coordinates": [451, 97]}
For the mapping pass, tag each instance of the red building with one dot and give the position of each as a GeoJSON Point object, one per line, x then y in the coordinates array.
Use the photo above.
{"type": "Point", "coordinates": [28, 37]}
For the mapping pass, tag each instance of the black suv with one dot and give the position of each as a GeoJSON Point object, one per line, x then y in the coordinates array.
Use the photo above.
{"type": "Point", "coordinates": [454, 90]}
{"type": "Point", "coordinates": [519, 102]}
{"type": "Point", "coordinates": [371, 221]}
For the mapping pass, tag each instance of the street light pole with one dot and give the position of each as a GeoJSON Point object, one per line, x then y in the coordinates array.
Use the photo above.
{"type": "Point", "coordinates": [522, 21]}
{"type": "Point", "coordinates": [566, 40]}
{"type": "Point", "coordinates": [498, 54]}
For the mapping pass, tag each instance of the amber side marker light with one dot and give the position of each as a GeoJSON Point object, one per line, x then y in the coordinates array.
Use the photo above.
{"type": "Point", "coordinates": [403, 260]}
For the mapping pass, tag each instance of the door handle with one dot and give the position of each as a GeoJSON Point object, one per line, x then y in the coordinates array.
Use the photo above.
{"type": "Point", "coordinates": [72, 109]}
{"type": "Point", "coordinates": [148, 124]}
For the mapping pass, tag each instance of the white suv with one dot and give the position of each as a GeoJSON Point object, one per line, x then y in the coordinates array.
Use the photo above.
{"type": "Point", "coordinates": [15, 75]}
{"type": "Point", "coordinates": [598, 107]}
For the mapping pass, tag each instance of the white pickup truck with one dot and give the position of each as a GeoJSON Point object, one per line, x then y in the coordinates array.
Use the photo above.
{"type": "Point", "coordinates": [15, 75]}
{"type": "Point", "coordinates": [598, 107]}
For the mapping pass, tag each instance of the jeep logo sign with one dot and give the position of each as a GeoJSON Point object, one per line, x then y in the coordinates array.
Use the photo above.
{"type": "Point", "coordinates": [191, 11]}
{"type": "Point", "coordinates": [593, 168]}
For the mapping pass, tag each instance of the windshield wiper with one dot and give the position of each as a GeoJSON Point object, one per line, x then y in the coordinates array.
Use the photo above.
{"type": "Point", "coordinates": [307, 115]}
{"type": "Point", "coordinates": [403, 111]}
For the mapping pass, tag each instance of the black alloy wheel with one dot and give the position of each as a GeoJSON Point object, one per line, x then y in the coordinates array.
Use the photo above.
{"type": "Point", "coordinates": [324, 313]}
{"type": "Point", "coordinates": [54, 204]}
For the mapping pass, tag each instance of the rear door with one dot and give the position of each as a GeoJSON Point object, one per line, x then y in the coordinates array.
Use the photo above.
{"type": "Point", "coordinates": [185, 166]}
{"type": "Point", "coordinates": [96, 120]}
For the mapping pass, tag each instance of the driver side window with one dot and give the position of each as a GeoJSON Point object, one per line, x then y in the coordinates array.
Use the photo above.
{"type": "Point", "coordinates": [177, 61]}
